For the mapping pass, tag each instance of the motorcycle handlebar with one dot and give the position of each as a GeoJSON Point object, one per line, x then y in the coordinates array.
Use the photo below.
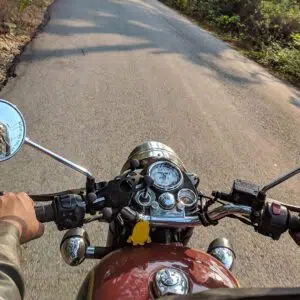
{"type": "Point", "coordinates": [192, 221]}
{"type": "Point", "coordinates": [45, 213]}
{"type": "Point", "coordinates": [52, 196]}
{"type": "Point", "coordinates": [67, 211]}
{"type": "Point", "coordinates": [294, 223]}
{"type": "Point", "coordinates": [273, 219]}
{"type": "Point", "coordinates": [229, 209]}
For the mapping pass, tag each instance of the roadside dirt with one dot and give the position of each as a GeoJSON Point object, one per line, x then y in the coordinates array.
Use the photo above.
{"type": "Point", "coordinates": [17, 27]}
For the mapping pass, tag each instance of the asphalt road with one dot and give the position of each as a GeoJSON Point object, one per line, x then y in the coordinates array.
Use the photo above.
{"type": "Point", "coordinates": [105, 76]}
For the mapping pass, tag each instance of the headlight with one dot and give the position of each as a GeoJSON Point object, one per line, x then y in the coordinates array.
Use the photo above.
{"type": "Point", "coordinates": [149, 152]}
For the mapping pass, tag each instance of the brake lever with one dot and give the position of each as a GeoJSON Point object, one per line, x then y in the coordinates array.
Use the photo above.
{"type": "Point", "coordinates": [52, 196]}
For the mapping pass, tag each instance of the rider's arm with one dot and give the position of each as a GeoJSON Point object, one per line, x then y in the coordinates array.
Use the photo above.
{"type": "Point", "coordinates": [11, 283]}
{"type": "Point", "coordinates": [18, 224]}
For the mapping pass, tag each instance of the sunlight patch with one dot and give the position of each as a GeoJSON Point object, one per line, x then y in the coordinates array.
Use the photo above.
{"type": "Point", "coordinates": [143, 25]}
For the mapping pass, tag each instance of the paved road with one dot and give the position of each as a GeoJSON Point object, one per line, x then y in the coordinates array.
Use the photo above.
{"type": "Point", "coordinates": [106, 75]}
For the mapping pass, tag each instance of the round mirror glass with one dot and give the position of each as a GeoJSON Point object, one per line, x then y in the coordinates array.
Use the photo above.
{"type": "Point", "coordinates": [12, 130]}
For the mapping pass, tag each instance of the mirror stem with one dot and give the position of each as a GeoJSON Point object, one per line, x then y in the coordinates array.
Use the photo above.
{"type": "Point", "coordinates": [59, 158]}
{"type": "Point", "coordinates": [280, 180]}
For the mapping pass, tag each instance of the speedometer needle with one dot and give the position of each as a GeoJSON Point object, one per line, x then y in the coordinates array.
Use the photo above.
{"type": "Point", "coordinates": [163, 175]}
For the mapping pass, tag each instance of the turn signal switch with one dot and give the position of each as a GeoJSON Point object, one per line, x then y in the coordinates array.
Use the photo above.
{"type": "Point", "coordinates": [69, 211]}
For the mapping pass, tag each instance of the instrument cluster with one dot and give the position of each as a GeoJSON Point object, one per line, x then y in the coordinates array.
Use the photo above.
{"type": "Point", "coordinates": [173, 193]}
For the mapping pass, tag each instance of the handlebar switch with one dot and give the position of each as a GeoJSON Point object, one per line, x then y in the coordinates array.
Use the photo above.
{"type": "Point", "coordinates": [274, 220]}
{"type": "Point", "coordinates": [70, 211]}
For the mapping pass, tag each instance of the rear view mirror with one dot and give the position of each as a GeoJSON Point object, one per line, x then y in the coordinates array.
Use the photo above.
{"type": "Point", "coordinates": [12, 130]}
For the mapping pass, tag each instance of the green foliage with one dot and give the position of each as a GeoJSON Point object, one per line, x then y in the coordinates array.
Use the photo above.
{"type": "Point", "coordinates": [277, 21]}
{"type": "Point", "coordinates": [229, 23]}
{"type": "Point", "coordinates": [182, 4]}
{"type": "Point", "coordinates": [24, 4]}
{"type": "Point", "coordinates": [288, 62]}
{"type": "Point", "coordinates": [285, 61]}
{"type": "Point", "coordinates": [296, 39]}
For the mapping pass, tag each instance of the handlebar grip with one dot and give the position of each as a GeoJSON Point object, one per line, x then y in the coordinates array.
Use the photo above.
{"type": "Point", "coordinates": [44, 213]}
{"type": "Point", "coordinates": [294, 223]}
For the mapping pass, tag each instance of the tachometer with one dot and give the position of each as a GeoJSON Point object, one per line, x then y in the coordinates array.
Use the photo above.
{"type": "Point", "coordinates": [166, 175]}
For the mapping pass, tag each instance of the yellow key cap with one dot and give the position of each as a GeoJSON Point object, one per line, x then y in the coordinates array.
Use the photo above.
{"type": "Point", "coordinates": [140, 234]}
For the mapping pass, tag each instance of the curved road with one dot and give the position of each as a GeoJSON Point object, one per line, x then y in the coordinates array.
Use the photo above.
{"type": "Point", "coordinates": [106, 75]}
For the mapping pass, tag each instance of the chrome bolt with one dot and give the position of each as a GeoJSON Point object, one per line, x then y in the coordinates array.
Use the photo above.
{"type": "Point", "coordinates": [154, 205]}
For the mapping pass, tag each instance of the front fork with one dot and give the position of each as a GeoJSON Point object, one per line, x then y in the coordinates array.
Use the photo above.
{"type": "Point", "coordinates": [110, 237]}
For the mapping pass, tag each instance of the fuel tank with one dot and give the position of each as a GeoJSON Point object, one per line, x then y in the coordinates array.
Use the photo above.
{"type": "Point", "coordinates": [129, 273]}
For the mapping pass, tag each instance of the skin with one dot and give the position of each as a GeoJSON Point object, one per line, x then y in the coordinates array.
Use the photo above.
{"type": "Point", "coordinates": [18, 209]}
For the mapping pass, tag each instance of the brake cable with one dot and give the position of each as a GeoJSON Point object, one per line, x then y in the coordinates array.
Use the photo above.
{"type": "Point", "coordinates": [244, 220]}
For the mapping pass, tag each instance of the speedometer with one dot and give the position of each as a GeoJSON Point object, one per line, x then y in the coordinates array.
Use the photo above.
{"type": "Point", "coordinates": [166, 175]}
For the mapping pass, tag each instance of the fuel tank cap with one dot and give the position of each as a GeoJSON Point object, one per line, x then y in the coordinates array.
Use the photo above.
{"type": "Point", "coordinates": [170, 281]}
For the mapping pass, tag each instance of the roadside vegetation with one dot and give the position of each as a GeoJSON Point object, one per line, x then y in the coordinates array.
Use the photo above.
{"type": "Point", "coordinates": [267, 31]}
{"type": "Point", "coordinates": [19, 20]}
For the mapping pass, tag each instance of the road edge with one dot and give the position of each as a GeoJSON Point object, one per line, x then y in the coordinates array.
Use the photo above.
{"type": "Point", "coordinates": [233, 45]}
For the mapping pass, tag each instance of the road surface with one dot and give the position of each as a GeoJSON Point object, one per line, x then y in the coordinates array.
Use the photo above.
{"type": "Point", "coordinates": [107, 75]}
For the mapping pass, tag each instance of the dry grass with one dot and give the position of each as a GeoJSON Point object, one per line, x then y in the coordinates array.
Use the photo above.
{"type": "Point", "coordinates": [16, 29]}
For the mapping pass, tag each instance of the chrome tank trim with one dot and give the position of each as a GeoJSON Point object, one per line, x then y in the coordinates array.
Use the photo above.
{"type": "Point", "coordinates": [165, 221]}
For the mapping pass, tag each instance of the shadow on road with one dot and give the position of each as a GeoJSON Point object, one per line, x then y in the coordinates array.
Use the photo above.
{"type": "Point", "coordinates": [295, 100]}
{"type": "Point", "coordinates": [153, 26]}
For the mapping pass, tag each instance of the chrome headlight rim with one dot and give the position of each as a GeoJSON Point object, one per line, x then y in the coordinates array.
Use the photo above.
{"type": "Point", "coordinates": [150, 152]}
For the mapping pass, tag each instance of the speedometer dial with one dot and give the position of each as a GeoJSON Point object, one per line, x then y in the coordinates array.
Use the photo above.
{"type": "Point", "coordinates": [166, 175]}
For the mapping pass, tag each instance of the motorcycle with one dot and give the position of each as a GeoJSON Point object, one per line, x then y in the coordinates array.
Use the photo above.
{"type": "Point", "coordinates": [152, 207]}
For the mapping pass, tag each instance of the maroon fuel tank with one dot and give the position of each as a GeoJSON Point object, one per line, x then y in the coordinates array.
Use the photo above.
{"type": "Point", "coordinates": [128, 273]}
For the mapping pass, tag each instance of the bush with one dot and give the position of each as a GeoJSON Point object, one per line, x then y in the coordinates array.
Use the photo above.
{"type": "Point", "coordinates": [182, 4]}
{"type": "Point", "coordinates": [275, 22]}
{"type": "Point", "coordinates": [228, 23]}
{"type": "Point", "coordinates": [285, 60]}
{"type": "Point", "coordinates": [296, 39]}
